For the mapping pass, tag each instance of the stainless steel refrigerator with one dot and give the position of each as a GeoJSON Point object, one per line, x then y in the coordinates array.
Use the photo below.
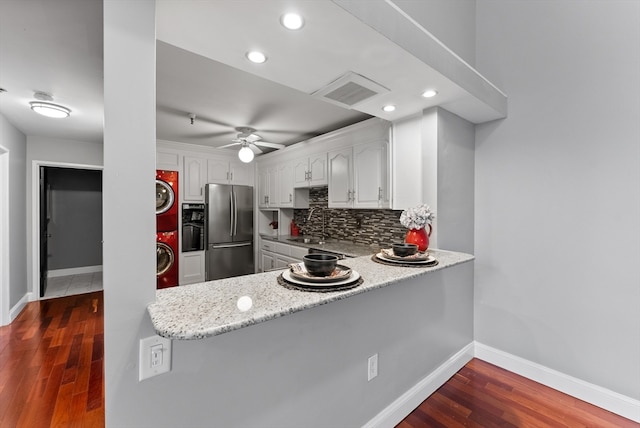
{"type": "Point", "coordinates": [229, 231]}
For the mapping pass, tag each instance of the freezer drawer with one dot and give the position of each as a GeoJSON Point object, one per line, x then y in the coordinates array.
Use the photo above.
{"type": "Point", "coordinates": [225, 261]}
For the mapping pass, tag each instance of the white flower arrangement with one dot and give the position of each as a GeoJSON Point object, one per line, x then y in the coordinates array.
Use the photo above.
{"type": "Point", "coordinates": [417, 217]}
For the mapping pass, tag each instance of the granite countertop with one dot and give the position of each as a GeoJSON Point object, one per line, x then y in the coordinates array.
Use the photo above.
{"type": "Point", "coordinates": [198, 311]}
{"type": "Point", "coordinates": [347, 248]}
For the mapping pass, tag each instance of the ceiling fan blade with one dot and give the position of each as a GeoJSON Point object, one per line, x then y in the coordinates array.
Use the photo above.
{"type": "Point", "coordinates": [228, 145]}
{"type": "Point", "coordinates": [255, 149]}
{"type": "Point", "coordinates": [270, 145]}
{"type": "Point", "coordinates": [252, 138]}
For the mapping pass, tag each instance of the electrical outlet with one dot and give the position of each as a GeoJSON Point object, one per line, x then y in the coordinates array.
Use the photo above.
{"type": "Point", "coordinates": [155, 356]}
{"type": "Point", "coordinates": [372, 367]}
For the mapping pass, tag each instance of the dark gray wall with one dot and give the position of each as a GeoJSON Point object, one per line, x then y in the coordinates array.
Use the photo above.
{"type": "Point", "coordinates": [76, 218]}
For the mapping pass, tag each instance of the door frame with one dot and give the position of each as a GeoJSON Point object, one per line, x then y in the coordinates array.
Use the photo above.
{"type": "Point", "coordinates": [4, 237]}
{"type": "Point", "coordinates": [35, 215]}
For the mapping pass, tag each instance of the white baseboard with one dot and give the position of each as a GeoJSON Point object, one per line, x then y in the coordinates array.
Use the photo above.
{"type": "Point", "coordinates": [407, 402]}
{"type": "Point", "coordinates": [18, 307]}
{"type": "Point", "coordinates": [74, 271]}
{"type": "Point", "coordinates": [593, 394]}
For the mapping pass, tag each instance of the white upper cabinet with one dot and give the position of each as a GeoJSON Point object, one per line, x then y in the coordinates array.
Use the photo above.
{"type": "Point", "coordinates": [358, 176]}
{"type": "Point", "coordinates": [241, 173]}
{"type": "Point", "coordinates": [224, 171]}
{"type": "Point", "coordinates": [218, 171]}
{"type": "Point", "coordinates": [310, 171]}
{"type": "Point", "coordinates": [301, 172]}
{"type": "Point", "coordinates": [268, 187]}
{"type": "Point", "coordinates": [194, 178]}
{"type": "Point", "coordinates": [285, 185]}
{"type": "Point", "coordinates": [370, 177]}
{"type": "Point", "coordinates": [200, 170]}
{"type": "Point", "coordinates": [341, 178]}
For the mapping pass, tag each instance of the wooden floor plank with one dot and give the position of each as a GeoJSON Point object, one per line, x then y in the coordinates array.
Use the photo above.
{"type": "Point", "coordinates": [49, 367]}
{"type": "Point", "coordinates": [483, 395]}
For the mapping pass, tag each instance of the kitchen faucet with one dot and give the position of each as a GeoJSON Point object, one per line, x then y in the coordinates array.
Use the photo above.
{"type": "Point", "coordinates": [311, 211]}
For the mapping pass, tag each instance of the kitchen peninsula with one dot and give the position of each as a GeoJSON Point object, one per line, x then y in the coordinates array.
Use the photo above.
{"type": "Point", "coordinates": [198, 311]}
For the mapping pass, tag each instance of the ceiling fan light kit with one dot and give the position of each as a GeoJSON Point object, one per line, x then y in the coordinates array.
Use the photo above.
{"type": "Point", "coordinates": [245, 154]}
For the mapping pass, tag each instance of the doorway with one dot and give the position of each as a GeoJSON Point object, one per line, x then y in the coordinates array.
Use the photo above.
{"type": "Point", "coordinates": [69, 230]}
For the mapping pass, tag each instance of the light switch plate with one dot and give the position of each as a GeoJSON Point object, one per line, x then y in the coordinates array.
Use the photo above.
{"type": "Point", "coordinates": [155, 356]}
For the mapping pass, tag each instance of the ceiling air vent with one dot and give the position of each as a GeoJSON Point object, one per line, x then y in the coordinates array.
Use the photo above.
{"type": "Point", "coordinates": [349, 90]}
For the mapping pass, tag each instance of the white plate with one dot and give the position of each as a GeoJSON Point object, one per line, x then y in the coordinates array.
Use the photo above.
{"type": "Point", "coordinates": [388, 253]}
{"type": "Point", "coordinates": [353, 278]}
{"type": "Point", "coordinates": [429, 260]}
{"type": "Point", "coordinates": [299, 271]}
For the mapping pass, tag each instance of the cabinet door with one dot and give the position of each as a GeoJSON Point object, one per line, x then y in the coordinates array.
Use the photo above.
{"type": "Point", "coordinates": [285, 184]}
{"type": "Point", "coordinates": [339, 178]}
{"type": "Point", "coordinates": [300, 173]}
{"type": "Point", "coordinates": [194, 179]}
{"type": "Point", "coordinates": [191, 267]}
{"type": "Point", "coordinates": [272, 187]}
{"type": "Point", "coordinates": [240, 173]}
{"type": "Point", "coordinates": [318, 170]}
{"type": "Point", "coordinates": [268, 261]}
{"type": "Point", "coordinates": [263, 188]}
{"type": "Point", "coordinates": [369, 175]}
{"type": "Point", "coordinates": [217, 171]}
{"type": "Point", "coordinates": [283, 262]}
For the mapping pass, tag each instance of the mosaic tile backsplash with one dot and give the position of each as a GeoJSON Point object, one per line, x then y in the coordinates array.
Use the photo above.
{"type": "Point", "coordinates": [361, 226]}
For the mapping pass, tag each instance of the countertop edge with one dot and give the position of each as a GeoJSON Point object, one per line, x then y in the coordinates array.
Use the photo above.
{"type": "Point", "coordinates": [167, 310]}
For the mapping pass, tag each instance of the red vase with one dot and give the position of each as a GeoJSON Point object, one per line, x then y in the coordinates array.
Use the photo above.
{"type": "Point", "coordinates": [420, 237]}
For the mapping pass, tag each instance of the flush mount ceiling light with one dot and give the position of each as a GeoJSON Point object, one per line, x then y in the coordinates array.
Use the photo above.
{"type": "Point", "coordinates": [389, 108]}
{"type": "Point", "coordinates": [245, 154]}
{"type": "Point", "coordinates": [256, 57]}
{"type": "Point", "coordinates": [50, 109]}
{"type": "Point", "coordinates": [292, 21]}
{"type": "Point", "coordinates": [430, 93]}
{"type": "Point", "coordinates": [47, 108]}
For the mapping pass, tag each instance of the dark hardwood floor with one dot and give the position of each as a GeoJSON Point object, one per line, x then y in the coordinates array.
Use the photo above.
{"type": "Point", "coordinates": [483, 395]}
{"type": "Point", "coordinates": [51, 364]}
{"type": "Point", "coordinates": [51, 375]}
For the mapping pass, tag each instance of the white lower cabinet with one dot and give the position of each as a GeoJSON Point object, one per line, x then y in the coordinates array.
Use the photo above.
{"type": "Point", "coordinates": [191, 267]}
{"type": "Point", "coordinates": [277, 255]}
{"type": "Point", "coordinates": [267, 261]}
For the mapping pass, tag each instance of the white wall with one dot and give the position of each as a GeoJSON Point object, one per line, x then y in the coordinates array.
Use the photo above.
{"type": "Point", "coordinates": [453, 22]}
{"type": "Point", "coordinates": [129, 226]}
{"type": "Point", "coordinates": [51, 151]}
{"type": "Point", "coordinates": [558, 188]}
{"type": "Point", "coordinates": [15, 142]}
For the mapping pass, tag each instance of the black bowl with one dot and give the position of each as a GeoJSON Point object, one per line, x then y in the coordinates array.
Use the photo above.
{"type": "Point", "coordinates": [320, 264]}
{"type": "Point", "coordinates": [404, 249]}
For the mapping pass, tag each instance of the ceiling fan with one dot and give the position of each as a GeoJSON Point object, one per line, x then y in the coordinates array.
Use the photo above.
{"type": "Point", "coordinates": [250, 142]}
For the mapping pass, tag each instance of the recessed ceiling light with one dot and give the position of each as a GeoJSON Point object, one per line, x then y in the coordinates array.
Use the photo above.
{"type": "Point", "coordinates": [430, 93]}
{"type": "Point", "coordinates": [292, 21]}
{"type": "Point", "coordinates": [389, 108]}
{"type": "Point", "coordinates": [256, 57]}
{"type": "Point", "coordinates": [50, 109]}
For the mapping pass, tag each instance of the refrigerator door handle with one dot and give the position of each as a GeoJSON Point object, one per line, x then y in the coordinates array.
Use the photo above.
{"type": "Point", "coordinates": [235, 213]}
{"type": "Point", "coordinates": [241, 244]}
{"type": "Point", "coordinates": [231, 213]}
